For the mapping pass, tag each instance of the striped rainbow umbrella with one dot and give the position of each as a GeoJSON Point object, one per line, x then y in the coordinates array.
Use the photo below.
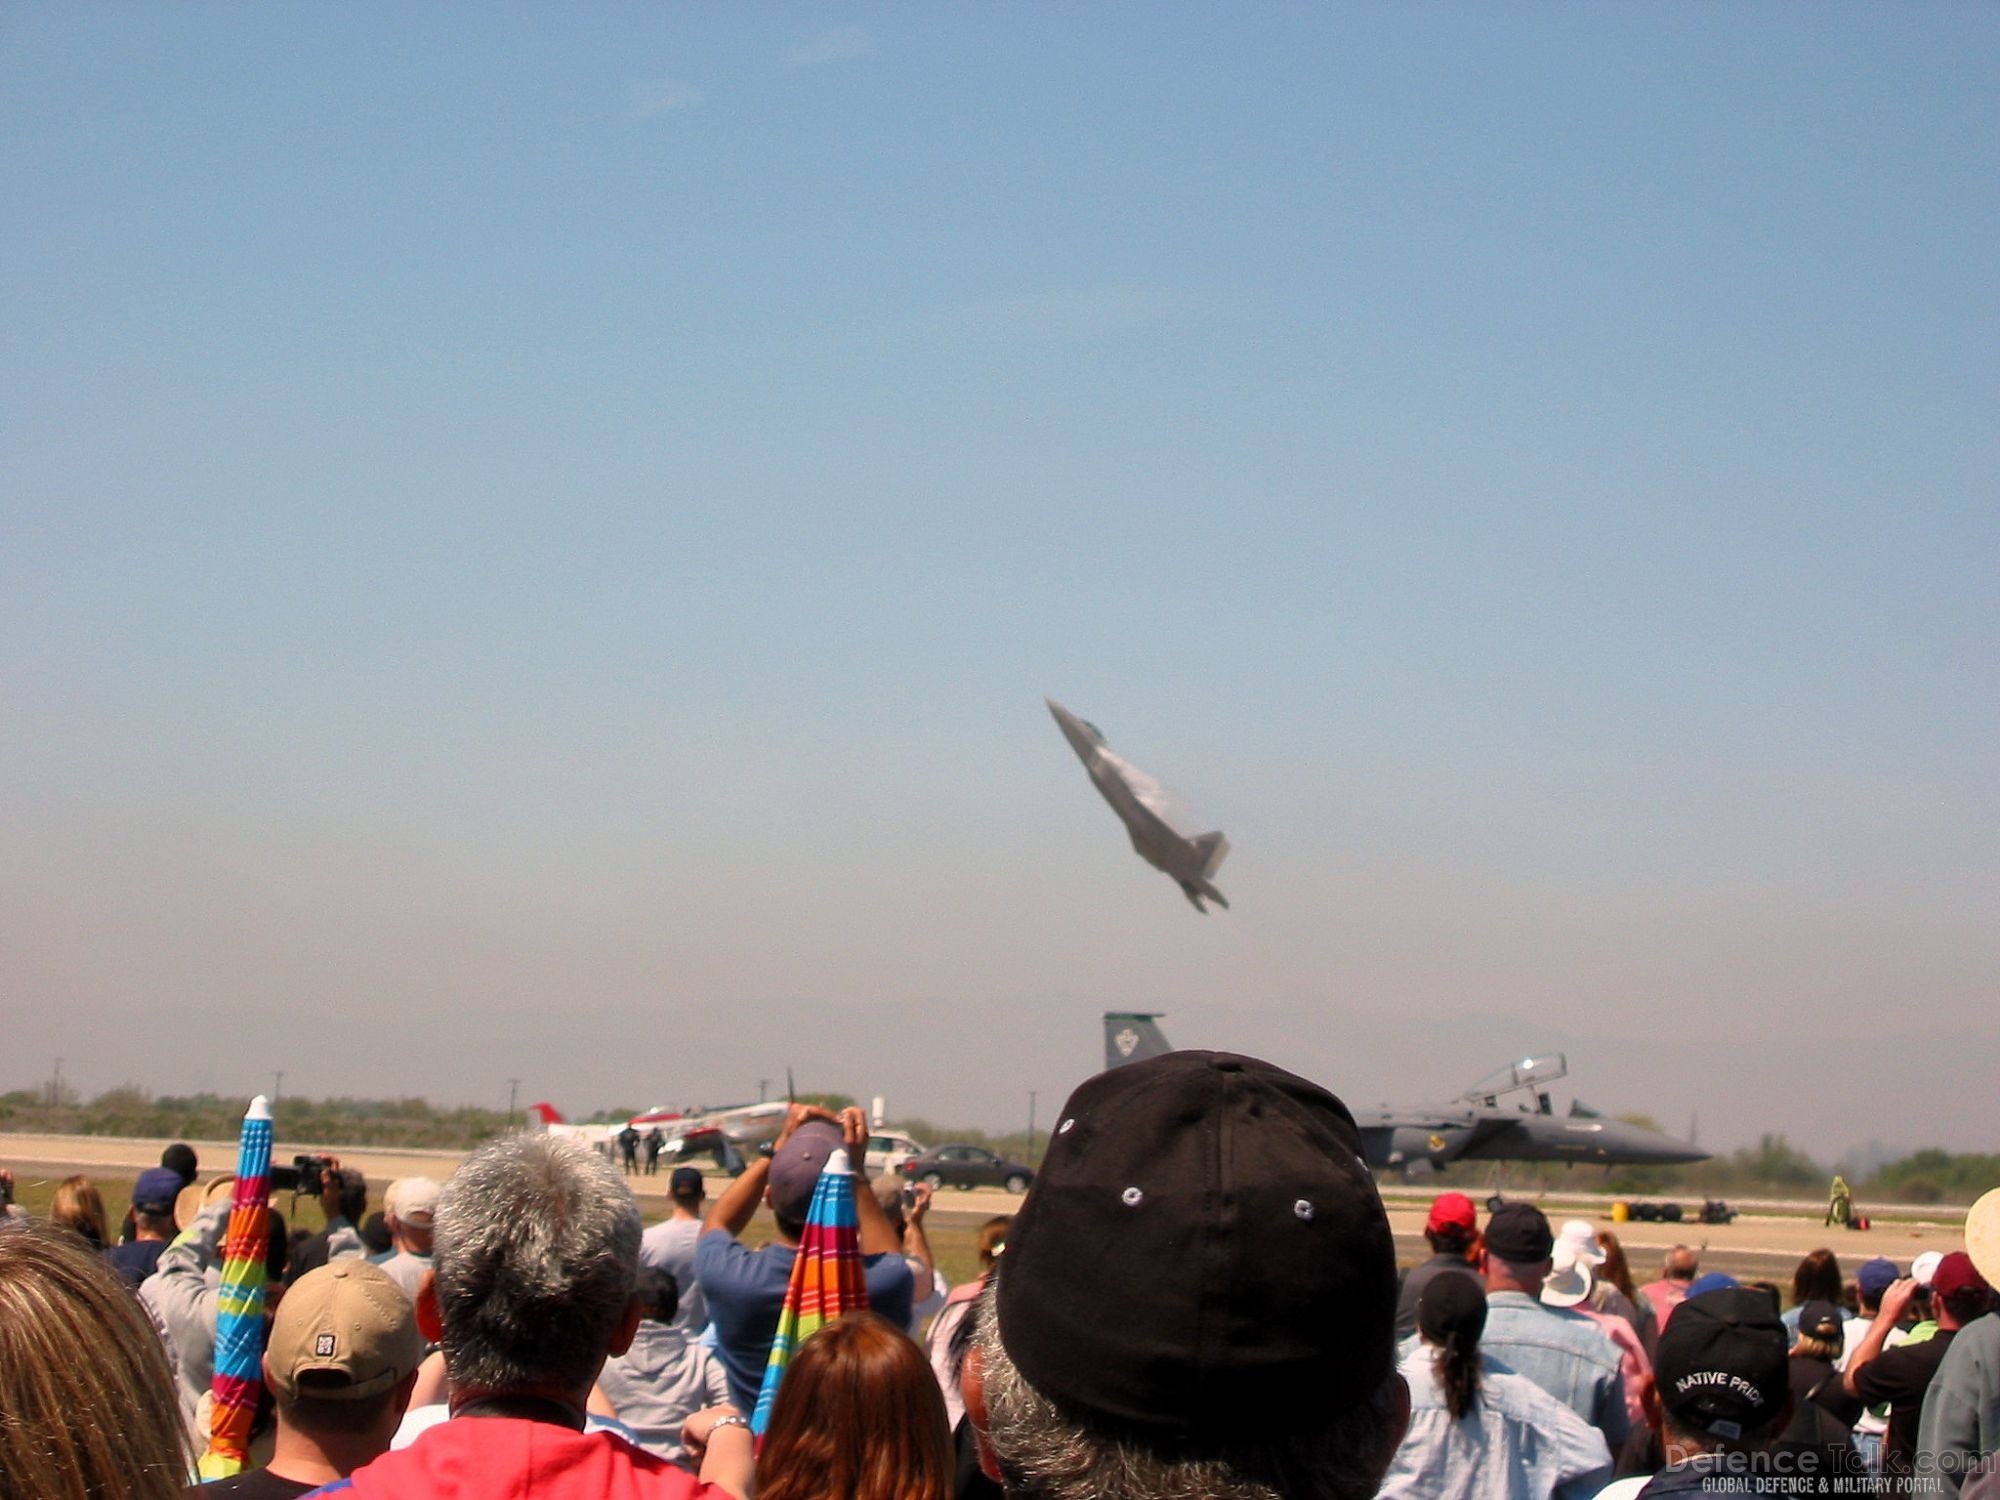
{"type": "Point", "coordinates": [239, 1302]}
{"type": "Point", "coordinates": [827, 1277]}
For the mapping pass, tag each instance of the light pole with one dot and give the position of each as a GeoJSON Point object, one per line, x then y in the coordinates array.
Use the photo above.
{"type": "Point", "coordinates": [1031, 1122]}
{"type": "Point", "coordinates": [277, 1085]}
{"type": "Point", "coordinates": [513, 1084]}
{"type": "Point", "coordinates": [55, 1088]}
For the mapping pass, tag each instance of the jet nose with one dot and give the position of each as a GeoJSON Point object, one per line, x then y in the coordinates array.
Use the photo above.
{"type": "Point", "coordinates": [1081, 740]}
{"type": "Point", "coordinates": [1642, 1147]}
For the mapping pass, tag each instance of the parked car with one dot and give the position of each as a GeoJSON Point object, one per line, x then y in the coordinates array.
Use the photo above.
{"type": "Point", "coordinates": [888, 1150]}
{"type": "Point", "coordinates": [968, 1167]}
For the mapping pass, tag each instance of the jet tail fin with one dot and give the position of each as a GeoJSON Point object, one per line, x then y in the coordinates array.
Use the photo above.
{"type": "Point", "coordinates": [547, 1113]}
{"type": "Point", "coordinates": [1131, 1036]}
{"type": "Point", "coordinates": [1214, 849]}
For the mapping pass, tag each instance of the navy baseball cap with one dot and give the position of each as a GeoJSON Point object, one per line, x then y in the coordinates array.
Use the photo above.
{"type": "Point", "coordinates": [1875, 1276]}
{"type": "Point", "coordinates": [795, 1167]}
{"type": "Point", "coordinates": [156, 1189]}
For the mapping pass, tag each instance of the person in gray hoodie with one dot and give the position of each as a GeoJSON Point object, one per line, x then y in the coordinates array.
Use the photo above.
{"type": "Point", "coordinates": [180, 1298]}
{"type": "Point", "coordinates": [665, 1377]}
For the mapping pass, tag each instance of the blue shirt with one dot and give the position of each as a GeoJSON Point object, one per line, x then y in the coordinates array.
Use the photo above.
{"type": "Point", "coordinates": [746, 1292]}
{"type": "Point", "coordinates": [1516, 1443]}
{"type": "Point", "coordinates": [1564, 1353]}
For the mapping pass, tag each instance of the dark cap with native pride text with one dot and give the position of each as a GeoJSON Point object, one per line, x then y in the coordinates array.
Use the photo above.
{"type": "Point", "coordinates": [1722, 1368]}
{"type": "Point", "coordinates": [1204, 1248]}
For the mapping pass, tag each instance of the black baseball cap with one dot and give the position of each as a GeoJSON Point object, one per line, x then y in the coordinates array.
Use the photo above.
{"type": "Point", "coordinates": [1452, 1305]}
{"type": "Point", "coordinates": [1203, 1248]}
{"type": "Point", "coordinates": [1519, 1233]}
{"type": "Point", "coordinates": [1721, 1368]}
{"type": "Point", "coordinates": [686, 1183]}
{"type": "Point", "coordinates": [1821, 1320]}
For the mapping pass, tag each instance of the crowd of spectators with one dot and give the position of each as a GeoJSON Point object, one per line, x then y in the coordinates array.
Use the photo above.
{"type": "Point", "coordinates": [1199, 1300]}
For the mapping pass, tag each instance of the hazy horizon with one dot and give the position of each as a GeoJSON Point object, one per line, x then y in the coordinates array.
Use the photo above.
{"type": "Point", "coordinates": [533, 544]}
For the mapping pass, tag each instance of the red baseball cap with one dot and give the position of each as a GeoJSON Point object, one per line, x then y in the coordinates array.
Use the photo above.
{"type": "Point", "coordinates": [1956, 1273]}
{"type": "Point", "coordinates": [1451, 1211]}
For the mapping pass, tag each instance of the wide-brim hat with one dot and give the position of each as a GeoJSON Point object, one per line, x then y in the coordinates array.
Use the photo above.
{"type": "Point", "coordinates": [1982, 1236]}
{"type": "Point", "coordinates": [1581, 1236]}
{"type": "Point", "coordinates": [193, 1198]}
{"type": "Point", "coordinates": [1569, 1280]}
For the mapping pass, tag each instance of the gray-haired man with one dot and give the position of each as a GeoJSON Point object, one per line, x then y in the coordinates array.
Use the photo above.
{"type": "Point", "coordinates": [532, 1288]}
{"type": "Point", "coordinates": [1197, 1298]}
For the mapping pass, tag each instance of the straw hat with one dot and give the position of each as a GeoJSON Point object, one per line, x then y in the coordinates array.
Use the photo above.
{"type": "Point", "coordinates": [1982, 1236]}
{"type": "Point", "coordinates": [193, 1198]}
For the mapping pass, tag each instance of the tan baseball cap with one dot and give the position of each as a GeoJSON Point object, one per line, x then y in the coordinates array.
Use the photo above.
{"type": "Point", "coordinates": [343, 1332]}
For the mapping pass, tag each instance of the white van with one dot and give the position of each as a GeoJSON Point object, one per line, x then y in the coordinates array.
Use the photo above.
{"type": "Point", "coordinates": [887, 1151]}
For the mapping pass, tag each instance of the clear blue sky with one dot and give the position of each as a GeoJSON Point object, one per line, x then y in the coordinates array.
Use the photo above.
{"type": "Point", "coordinates": [532, 541]}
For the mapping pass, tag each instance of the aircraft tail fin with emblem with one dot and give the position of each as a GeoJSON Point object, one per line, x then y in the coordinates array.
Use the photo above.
{"type": "Point", "coordinates": [1130, 1036]}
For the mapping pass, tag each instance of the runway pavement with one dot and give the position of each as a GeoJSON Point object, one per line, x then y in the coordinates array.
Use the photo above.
{"type": "Point", "coordinates": [1765, 1244]}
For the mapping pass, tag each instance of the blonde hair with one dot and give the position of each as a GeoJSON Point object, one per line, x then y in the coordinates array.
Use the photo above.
{"type": "Point", "coordinates": [87, 1406]}
{"type": "Point", "coordinates": [79, 1207]}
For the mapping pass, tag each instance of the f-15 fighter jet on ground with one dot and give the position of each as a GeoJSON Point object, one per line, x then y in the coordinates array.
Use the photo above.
{"type": "Point", "coordinates": [1135, 797]}
{"type": "Point", "coordinates": [1476, 1126]}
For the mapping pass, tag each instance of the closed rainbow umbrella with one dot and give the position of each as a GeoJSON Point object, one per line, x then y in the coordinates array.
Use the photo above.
{"type": "Point", "coordinates": [239, 1302]}
{"type": "Point", "coordinates": [827, 1277]}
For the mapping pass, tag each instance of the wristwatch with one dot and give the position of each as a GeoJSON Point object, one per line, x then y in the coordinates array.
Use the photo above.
{"type": "Point", "coordinates": [732, 1421]}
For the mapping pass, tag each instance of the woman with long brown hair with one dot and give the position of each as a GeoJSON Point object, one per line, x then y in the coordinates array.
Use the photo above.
{"type": "Point", "coordinates": [87, 1409]}
{"type": "Point", "coordinates": [1816, 1278]}
{"type": "Point", "coordinates": [79, 1207]}
{"type": "Point", "coordinates": [1615, 1276]}
{"type": "Point", "coordinates": [858, 1417]}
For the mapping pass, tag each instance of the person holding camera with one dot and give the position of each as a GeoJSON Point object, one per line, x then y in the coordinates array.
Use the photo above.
{"type": "Point", "coordinates": [343, 1200]}
{"type": "Point", "coordinates": [745, 1287]}
{"type": "Point", "coordinates": [904, 1204]}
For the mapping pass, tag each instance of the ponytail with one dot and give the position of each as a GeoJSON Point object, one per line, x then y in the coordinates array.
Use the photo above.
{"type": "Point", "coordinates": [1456, 1363]}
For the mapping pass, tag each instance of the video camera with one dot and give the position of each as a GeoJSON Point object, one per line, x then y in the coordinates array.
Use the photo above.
{"type": "Point", "coordinates": [304, 1178]}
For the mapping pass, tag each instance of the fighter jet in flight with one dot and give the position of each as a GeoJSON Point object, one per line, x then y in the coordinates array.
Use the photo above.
{"type": "Point", "coordinates": [1135, 797]}
{"type": "Point", "coordinates": [1476, 1126]}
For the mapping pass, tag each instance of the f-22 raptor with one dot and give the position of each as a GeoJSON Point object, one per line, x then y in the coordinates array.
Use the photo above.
{"type": "Point", "coordinates": [1135, 797]}
{"type": "Point", "coordinates": [1476, 1126]}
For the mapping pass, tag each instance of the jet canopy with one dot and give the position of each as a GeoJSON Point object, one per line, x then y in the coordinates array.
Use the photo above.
{"type": "Point", "coordinates": [1528, 1073]}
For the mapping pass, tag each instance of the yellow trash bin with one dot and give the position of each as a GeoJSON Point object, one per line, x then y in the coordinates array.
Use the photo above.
{"type": "Point", "coordinates": [1621, 1212]}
